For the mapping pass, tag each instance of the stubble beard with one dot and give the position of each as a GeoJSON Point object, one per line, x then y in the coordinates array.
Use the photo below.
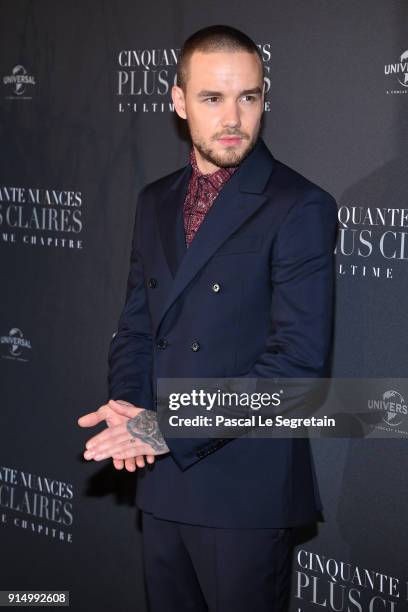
{"type": "Point", "coordinates": [231, 157]}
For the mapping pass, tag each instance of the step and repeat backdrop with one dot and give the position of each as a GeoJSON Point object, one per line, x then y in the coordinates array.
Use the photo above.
{"type": "Point", "coordinates": [86, 120]}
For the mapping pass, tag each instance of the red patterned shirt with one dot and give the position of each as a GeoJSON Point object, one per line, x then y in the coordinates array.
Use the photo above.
{"type": "Point", "coordinates": [201, 193]}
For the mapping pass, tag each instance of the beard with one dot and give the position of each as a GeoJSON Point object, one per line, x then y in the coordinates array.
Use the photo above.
{"type": "Point", "coordinates": [230, 157]}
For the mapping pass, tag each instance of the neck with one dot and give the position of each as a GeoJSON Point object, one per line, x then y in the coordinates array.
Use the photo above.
{"type": "Point", "coordinates": [204, 165]}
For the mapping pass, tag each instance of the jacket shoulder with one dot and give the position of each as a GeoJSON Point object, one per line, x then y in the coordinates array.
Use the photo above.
{"type": "Point", "coordinates": [163, 183]}
{"type": "Point", "coordinates": [294, 182]}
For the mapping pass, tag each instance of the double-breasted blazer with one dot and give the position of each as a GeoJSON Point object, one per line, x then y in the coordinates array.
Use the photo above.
{"type": "Point", "coordinates": [252, 296]}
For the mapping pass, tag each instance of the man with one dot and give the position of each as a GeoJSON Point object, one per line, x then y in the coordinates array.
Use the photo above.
{"type": "Point", "coordinates": [231, 275]}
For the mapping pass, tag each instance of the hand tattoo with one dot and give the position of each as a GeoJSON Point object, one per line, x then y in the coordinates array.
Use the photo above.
{"type": "Point", "coordinates": [144, 426]}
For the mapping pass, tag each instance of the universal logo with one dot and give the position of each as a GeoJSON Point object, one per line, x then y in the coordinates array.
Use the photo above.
{"type": "Point", "coordinates": [393, 407]}
{"type": "Point", "coordinates": [399, 74]}
{"type": "Point", "coordinates": [18, 80]}
{"type": "Point", "coordinates": [17, 345]}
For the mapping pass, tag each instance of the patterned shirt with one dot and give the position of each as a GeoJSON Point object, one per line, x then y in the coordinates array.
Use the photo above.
{"type": "Point", "coordinates": [201, 193]}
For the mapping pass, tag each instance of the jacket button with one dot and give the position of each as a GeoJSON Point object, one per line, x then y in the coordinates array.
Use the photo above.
{"type": "Point", "coordinates": [195, 346]}
{"type": "Point", "coordinates": [162, 343]}
{"type": "Point", "coordinates": [216, 287]}
{"type": "Point", "coordinates": [152, 283]}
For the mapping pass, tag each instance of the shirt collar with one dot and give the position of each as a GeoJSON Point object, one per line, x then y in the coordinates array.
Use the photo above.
{"type": "Point", "coordinates": [220, 175]}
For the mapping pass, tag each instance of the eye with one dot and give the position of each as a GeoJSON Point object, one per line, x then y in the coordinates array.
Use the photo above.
{"type": "Point", "coordinates": [249, 98]}
{"type": "Point", "coordinates": [212, 99]}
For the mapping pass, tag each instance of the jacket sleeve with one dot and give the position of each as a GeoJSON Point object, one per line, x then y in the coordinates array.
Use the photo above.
{"type": "Point", "coordinates": [131, 349]}
{"type": "Point", "coordinates": [301, 314]}
{"type": "Point", "coordinates": [302, 276]}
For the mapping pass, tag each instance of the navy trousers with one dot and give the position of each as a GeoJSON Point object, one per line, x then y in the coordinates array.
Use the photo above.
{"type": "Point", "coordinates": [205, 569]}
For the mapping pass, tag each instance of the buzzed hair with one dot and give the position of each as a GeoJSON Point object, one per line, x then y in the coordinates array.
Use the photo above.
{"type": "Point", "coordinates": [210, 39]}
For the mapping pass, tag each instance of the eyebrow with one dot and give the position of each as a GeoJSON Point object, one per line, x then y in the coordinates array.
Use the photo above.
{"type": "Point", "coordinates": [208, 94]}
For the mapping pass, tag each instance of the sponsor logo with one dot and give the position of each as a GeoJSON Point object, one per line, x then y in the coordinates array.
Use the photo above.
{"type": "Point", "coordinates": [393, 408]}
{"type": "Point", "coordinates": [372, 241]}
{"type": "Point", "coordinates": [397, 75]}
{"type": "Point", "coordinates": [321, 581]}
{"type": "Point", "coordinates": [144, 78]}
{"type": "Point", "coordinates": [36, 504]}
{"type": "Point", "coordinates": [41, 218]}
{"type": "Point", "coordinates": [20, 83]}
{"type": "Point", "coordinates": [16, 345]}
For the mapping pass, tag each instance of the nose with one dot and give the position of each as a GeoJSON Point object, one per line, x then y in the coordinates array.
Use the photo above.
{"type": "Point", "coordinates": [232, 117]}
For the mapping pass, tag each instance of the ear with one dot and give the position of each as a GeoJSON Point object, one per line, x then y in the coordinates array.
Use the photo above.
{"type": "Point", "coordinates": [179, 101]}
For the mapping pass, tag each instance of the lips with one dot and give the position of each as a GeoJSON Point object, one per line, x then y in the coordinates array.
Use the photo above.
{"type": "Point", "coordinates": [230, 140]}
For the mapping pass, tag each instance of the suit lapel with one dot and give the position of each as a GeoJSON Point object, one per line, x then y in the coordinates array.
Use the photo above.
{"type": "Point", "coordinates": [239, 199]}
{"type": "Point", "coordinates": [170, 220]}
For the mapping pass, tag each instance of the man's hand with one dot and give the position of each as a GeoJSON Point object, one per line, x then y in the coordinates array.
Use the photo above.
{"type": "Point", "coordinates": [138, 435]}
{"type": "Point", "coordinates": [112, 418]}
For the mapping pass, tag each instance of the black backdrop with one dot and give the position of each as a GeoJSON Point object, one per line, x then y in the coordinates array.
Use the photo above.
{"type": "Point", "coordinates": [85, 122]}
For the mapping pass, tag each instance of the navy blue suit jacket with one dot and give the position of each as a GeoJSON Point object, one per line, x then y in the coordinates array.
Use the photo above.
{"type": "Point", "coordinates": [268, 241]}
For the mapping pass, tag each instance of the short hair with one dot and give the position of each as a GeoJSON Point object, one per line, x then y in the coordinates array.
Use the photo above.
{"type": "Point", "coordinates": [210, 39]}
